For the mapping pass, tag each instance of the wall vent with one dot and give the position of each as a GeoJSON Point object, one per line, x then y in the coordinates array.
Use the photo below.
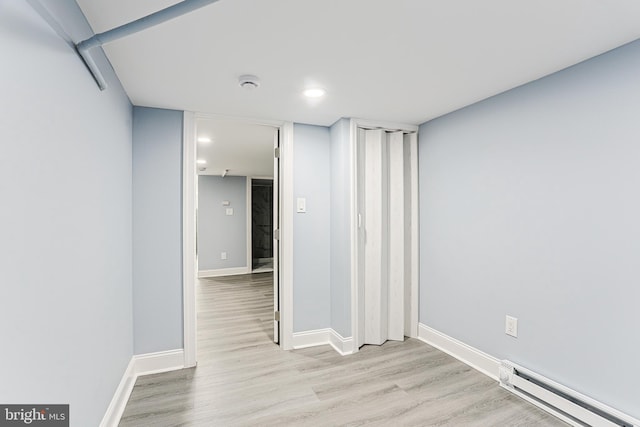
{"type": "Point", "coordinates": [563, 402]}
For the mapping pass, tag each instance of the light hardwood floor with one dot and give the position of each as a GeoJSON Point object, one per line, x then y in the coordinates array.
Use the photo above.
{"type": "Point", "coordinates": [243, 379]}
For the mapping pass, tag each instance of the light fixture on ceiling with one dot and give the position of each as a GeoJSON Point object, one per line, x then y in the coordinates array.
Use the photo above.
{"type": "Point", "coordinates": [249, 81]}
{"type": "Point", "coordinates": [204, 139]}
{"type": "Point", "coordinates": [314, 92]}
{"type": "Point", "coordinates": [201, 161]}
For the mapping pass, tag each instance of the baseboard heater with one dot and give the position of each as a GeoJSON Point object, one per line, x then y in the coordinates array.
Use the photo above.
{"type": "Point", "coordinates": [563, 402]}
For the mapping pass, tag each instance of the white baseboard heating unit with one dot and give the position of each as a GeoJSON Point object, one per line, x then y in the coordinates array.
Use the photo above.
{"type": "Point", "coordinates": [563, 402]}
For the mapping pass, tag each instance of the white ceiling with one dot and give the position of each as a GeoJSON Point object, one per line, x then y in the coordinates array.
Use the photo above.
{"type": "Point", "coordinates": [396, 60]}
{"type": "Point", "coordinates": [243, 149]}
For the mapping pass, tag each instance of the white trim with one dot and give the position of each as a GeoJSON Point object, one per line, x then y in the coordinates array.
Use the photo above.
{"type": "Point", "coordinates": [161, 361]}
{"type": "Point", "coordinates": [232, 271]}
{"type": "Point", "coordinates": [189, 267]}
{"type": "Point", "coordinates": [310, 338]}
{"type": "Point", "coordinates": [342, 345]}
{"type": "Point", "coordinates": [473, 357]}
{"type": "Point", "coordinates": [353, 181]}
{"type": "Point", "coordinates": [375, 124]}
{"type": "Point", "coordinates": [415, 237]}
{"type": "Point", "coordinates": [139, 365]}
{"type": "Point", "coordinates": [286, 237]}
{"type": "Point", "coordinates": [120, 397]}
{"type": "Point", "coordinates": [276, 225]}
{"type": "Point", "coordinates": [316, 337]}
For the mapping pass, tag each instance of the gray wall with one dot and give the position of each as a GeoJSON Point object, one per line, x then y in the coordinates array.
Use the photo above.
{"type": "Point", "coordinates": [217, 231]}
{"type": "Point", "coordinates": [65, 220]}
{"type": "Point", "coordinates": [311, 230]}
{"type": "Point", "coordinates": [529, 206]}
{"type": "Point", "coordinates": [157, 229]}
{"type": "Point", "coordinates": [340, 228]}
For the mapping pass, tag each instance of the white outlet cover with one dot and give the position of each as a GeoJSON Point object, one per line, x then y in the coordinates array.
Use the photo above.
{"type": "Point", "coordinates": [229, 211]}
{"type": "Point", "coordinates": [223, 255]}
{"type": "Point", "coordinates": [511, 326]}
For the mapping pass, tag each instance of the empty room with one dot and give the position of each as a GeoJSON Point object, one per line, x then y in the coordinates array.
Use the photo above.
{"type": "Point", "coordinates": [319, 213]}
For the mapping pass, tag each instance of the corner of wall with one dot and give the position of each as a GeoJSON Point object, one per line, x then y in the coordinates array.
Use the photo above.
{"type": "Point", "coordinates": [139, 365]}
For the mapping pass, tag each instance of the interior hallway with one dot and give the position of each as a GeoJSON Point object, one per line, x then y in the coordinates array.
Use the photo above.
{"type": "Point", "coordinates": [242, 378]}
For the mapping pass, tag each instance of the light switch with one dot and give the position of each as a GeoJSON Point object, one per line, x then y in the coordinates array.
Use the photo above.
{"type": "Point", "coordinates": [511, 326]}
{"type": "Point", "coordinates": [302, 205]}
{"type": "Point", "coordinates": [229, 211]}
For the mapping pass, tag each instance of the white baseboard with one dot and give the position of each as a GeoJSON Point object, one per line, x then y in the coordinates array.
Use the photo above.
{"type": "Point", "coordinates": [342, 345]}
{"type": "Point", "coordinates": [316, 337]}
{"type": "Point", "coordinates": [473, 357]}
{"type": "Point", "coordinates": [139, 365]}
{"type": "Point", "coordinates": [120, 397]}
{"type": "Point", "coordinates": [310, 338]}
{"type": "Point", "coordinates": [155, 363]}
{"type": "Point", "coordinates": [223, 272]}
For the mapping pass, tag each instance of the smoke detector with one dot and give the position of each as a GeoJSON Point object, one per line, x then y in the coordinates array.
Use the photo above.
{"type": "Point", "coordinates": [249, 81]}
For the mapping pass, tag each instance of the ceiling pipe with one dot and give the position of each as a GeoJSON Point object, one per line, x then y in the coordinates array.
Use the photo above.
{"type": "Point", "coordinates": [84, 47]}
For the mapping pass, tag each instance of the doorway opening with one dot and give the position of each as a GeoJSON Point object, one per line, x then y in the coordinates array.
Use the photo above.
{"type": "Point", "coordinates": [225, 156]}
{"type": "Point", "coordinates": [262, 225]}
{"type": "Point", "coordinates": [384, 234]}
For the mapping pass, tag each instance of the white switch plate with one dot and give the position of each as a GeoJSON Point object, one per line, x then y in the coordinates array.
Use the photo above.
{"type": "Point", "coordinates": [229, 211]}
{"type": "Point", "coordinates": [511, 326]}
{"type": "Point", "coordinates": [223, 255]}
{"type": "Point", "coordinates": [302, 205]}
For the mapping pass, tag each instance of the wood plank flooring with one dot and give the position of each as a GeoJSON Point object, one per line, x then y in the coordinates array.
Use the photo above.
{"type": "Point", "coordinates": [243, 379]}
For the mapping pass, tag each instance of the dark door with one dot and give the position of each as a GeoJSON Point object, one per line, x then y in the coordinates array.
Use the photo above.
{"type": "Point", "coordinates": [261, 222]}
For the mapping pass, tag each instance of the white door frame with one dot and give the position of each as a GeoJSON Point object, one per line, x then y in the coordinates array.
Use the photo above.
{"type": "Point", "coordinates": [353, 146]}
{"type": "Point", "coordinates": [189, 191]}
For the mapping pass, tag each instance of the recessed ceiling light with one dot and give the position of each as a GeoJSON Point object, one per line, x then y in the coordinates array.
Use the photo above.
{"type": "Point", "coordinates": [201, 161]}
{"type": "Point", "coordinates": [204, 139]}
{"type": "Point", "coordinates": [314, 93]}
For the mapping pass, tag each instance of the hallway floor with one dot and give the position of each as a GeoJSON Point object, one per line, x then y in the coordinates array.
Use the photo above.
{"type": "Point", "coordinates": [243, 379]}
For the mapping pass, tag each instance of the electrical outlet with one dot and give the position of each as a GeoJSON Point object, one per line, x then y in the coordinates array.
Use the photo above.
{"type": "Point", "coordinates": [511, 326]}
{"type": "Point", "coordinates": [223, 255]}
